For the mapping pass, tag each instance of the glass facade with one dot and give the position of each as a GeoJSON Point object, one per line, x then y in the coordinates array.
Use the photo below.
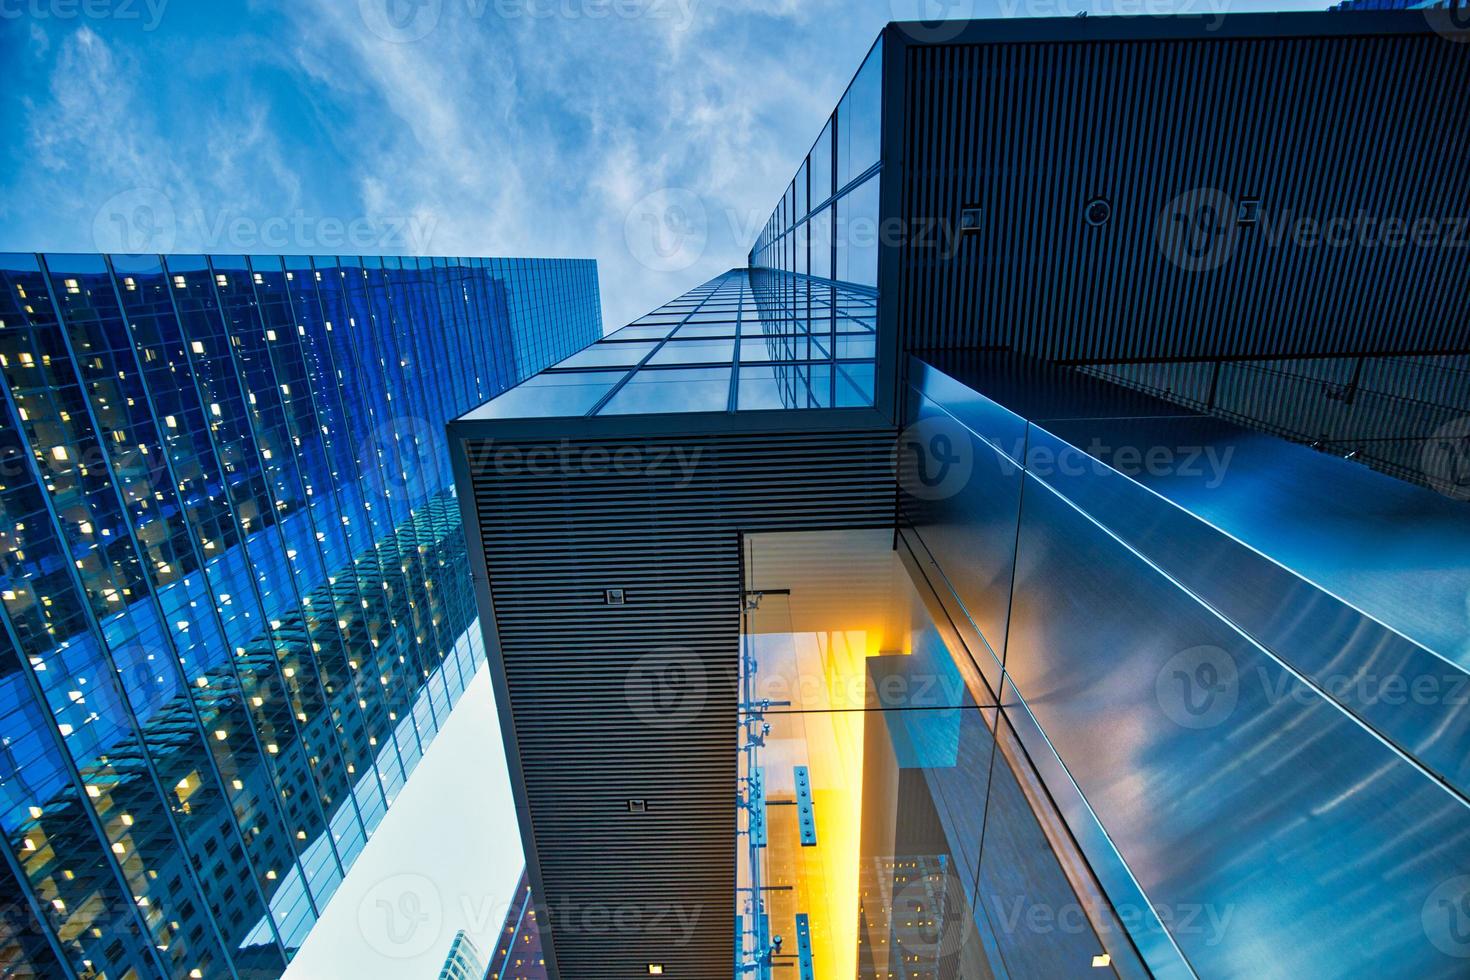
{"type": "Point", "coordinates": [234, 602]}
{"type": "Point", "coordinates": [463, 961]}
{"type": "Point", "coordinates": [1124, 689]}
{"type": "Point", "coordinates": [826, 224]}
{"type": "Point", "coordinates": [890, 823]}
{"type": "Point", "coordinates": [518, 954]}
{"type": "Point", "coordinates": [716, 349]}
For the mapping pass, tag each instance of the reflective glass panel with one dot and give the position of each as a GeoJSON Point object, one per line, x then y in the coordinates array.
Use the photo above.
{"type": "Point", "coordinates": [859, 120]}
{"type": "Point", "coordinates": [672, 390]}
{"type": "Point", "coordinates": [694, 352]}
{"type": "Point", "coordinates": [608, 355]}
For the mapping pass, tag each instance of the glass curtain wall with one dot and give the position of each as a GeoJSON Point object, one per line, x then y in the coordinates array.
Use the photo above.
{"type": "Point", "coordinates": [816, 260]}
{"type": "Point", "coordinates": [890, 825]}
{"type": "Point", "coordinates": [234, 612]}
{"type": "Point", "coordinates": [713, 350]}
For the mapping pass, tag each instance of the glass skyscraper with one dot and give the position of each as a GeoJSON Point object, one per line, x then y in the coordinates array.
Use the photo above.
{"type": "Point", "coordinates": [235, 604]}
{"type": "Point", "coordinates": [1033, 563]}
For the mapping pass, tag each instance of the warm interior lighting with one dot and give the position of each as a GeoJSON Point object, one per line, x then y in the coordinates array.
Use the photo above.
{"type": "Point", "coordinates": [1102, 959]}
{"type": "Point", "coordinates": [655, 969]}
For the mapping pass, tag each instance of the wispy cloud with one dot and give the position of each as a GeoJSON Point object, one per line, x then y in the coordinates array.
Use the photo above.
{"type": "Point", "coordinates": [524, 128]}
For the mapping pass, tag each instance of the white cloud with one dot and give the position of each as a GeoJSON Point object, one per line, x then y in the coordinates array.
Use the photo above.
{"type": "Point", "coordinates": [514, 136]}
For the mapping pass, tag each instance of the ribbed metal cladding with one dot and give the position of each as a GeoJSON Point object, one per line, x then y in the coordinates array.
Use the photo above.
{"type": "Point", "coordinates": [590, 737]}
{"type": "Point", "coordinates": [1315, 127]}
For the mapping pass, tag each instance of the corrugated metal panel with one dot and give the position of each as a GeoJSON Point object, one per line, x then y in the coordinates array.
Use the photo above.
{"type": "Point", "coordinates": [595, 727]}
{"type": "Point", "coordinates": [1316, 127]}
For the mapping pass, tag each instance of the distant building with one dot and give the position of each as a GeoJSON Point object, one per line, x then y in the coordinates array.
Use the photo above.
{"type": "Point", "coordinates": [463, 961]}
{"type": "Point", "coordinates": [518, 954]}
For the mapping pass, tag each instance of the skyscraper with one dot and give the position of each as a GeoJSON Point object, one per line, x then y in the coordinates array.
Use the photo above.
{"type": "Point", "coordinates": [463, 961]}
{"type": "Point", "coordinates": [235, 611]}
{"type": "Point", "coordinates": [517, 954]}
{"type": "Point", "coordinates": [973, 584]}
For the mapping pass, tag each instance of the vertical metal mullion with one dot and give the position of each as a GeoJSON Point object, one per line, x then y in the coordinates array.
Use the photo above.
{"type": "Point", "coordinates": [68, 759]}
{"type": "Point", "coordinates": [147, 580]}
{"type": "Point", "coordinates": [312, 522]}
{"type": "Point", "coordinates": [448, 326]}
{"type": "Point", "coordinates": [356, 588]}
{"type": "Point", "coordinates": [254, 583]}
{"type": "Point", "coordinates": [363, 367]}
{"type": "Point", "coordinates": [292, 574]}
{"type": "Point", "coordinates": [269, 768]}
{"type": "Point", "coordinates": [213, 609]}
{"type": "Point", "coordinates": [80, 786]}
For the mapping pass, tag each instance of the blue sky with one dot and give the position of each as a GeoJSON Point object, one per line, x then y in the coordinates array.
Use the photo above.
{"type": "Point", "coordinates": [514, 127]}
{"type": "Point", "coordinates": [460, 127]}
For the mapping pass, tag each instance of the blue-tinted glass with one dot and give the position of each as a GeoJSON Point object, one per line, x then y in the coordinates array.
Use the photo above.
{"type": "Point", "coordinates": [854, 383]}
{"type": "Point", "coordinates": [607, 355]}
{"type": "Point", "coordinates": [820, 232]}
{"type": "Point", "coordinates": [694, 352]}
{"type": "Point", "coordinates": [672, 390]}
{"type": "Point", "coordinates": [231, 615]}
{"type": "Point", "coordinates": [820, 162]}
{"type": "Point", "coordinates": [856, 346]}
{"type": "Point", "coordinates": [859, 120]}
{"type": "Point", "coordinates": [857, 234]}
{"type": "Point", "coordinates": [693, 330]}
{"type": "Point", "coordinates": [552, 395]}
{"type": "Point", "coordinates": [643, 332]}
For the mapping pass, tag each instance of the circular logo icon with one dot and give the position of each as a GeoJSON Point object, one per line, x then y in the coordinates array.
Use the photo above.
{"type": "Point", "coordinates": [401, 21]}
{"type": "Point", "coordinates": [930, 906]}
{"type": "Point", "coordinates": [400, 458]}
{"type": "Point", "coordinates": [933, 21]}
{"type": "Point", "coordinates": [401, 917]}
{"type": "Point", "coordinates": [1198, 687]}
{"type": "Point", "coordinates": [1450, 20]}
{"type": "Point", "coordinates": [666, 688]}
{"type": "Point", "coordinates": [1446, 917]}
{"type": "Point", "coordinates": [1196, 230]}
{"type": "Point", "coordinates": [934, 458]}
{"type": "Point", "coordinates": [1097, 211]}
{"type": "Point", "coordinates": [134, 222]}
{"type": "Point", "coordinates": [1445, 459]}
{"type": "Point", "coordinates": [667, 230]}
